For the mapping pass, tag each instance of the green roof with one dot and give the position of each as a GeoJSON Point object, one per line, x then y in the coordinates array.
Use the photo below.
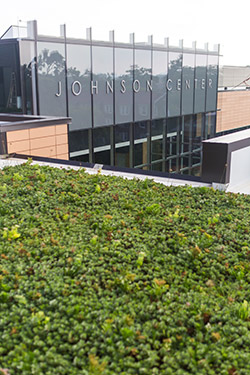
{"type": "Point", "coordinates": [101, 275]}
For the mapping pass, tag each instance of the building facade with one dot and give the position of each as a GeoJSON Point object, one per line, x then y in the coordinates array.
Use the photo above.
{"type": "Point", "coordinates": [138, 105]}
{"type": "Point", "coordinates": [233, 107]}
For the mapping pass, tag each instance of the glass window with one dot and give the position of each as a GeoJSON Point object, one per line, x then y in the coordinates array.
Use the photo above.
{"type": "Point", "coordinates": [185, 171]}
{"type": "Point", "coordinates": [79, 145]}
{"type": "Point", "coordinates": [186, 134]}
{"type": "Point", "coordinates": [51, 78]}
{"type": "Point", "coordinates": [212, 76]}
{"type": "Point", "coordinates": [27, 59]}
{"type": "Point", "coordinates": [184, 162]}
{"type": "Point", "coordinates": [123, 85]}
{"type": "Point", "coordinates": [157, 137]}
{"type": "Point", "coordinates": [142, 84]}
{"type": "Point", "coordinates": [196, 171]}
{"type": "Point", "coordinates": [174, 84]}
{"type": "Point", "coordinates": [210, 125]}
{"type": "Point", "coordinates": [196, 157]}
{"type": "Point", "coordinates": [188, 83]}
{"type": "Point", "coordinates": [122, 145]}
{"type": "Point", "coordinates": [197, 131]}
{"type": "Point", "coordinates": [159, 78]}
{"type": "Point", "coordinates": [101, 143]}
{"type": "Point", "coordinates": [173, 135]}
{"type": "Point", "coordinates": [141, 132]}
{"type": "Point", "coordinates": [172, 165]}
{"type": "Point", "coordinates": [102, 85]}
{"type": "Point", "coordinates": [157, 167]}
{"type": "Point", "coordinates": [79, 97]}
{"type": "Point", "coordinates": [200, 83]}
{"type": "Point", "coordinates": [10, 89]}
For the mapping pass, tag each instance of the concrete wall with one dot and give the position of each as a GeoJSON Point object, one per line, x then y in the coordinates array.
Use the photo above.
{"type": "Point", "coordinates": [47, 141]}
{"type": "Point", "coordinates": [233, 109]}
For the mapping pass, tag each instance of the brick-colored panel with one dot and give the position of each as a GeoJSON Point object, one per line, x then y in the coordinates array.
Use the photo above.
{"type": "Point", "coordinates": [49, 141]}
{"type": "Point", "coordinates": [17, 135]}
{"type": "Point", "coordinates": [62, 129]}
{"type": "Point", "coordinates": [63, 157]}
{"type": "Point", "coordinates": [61, 139]}
{"type": "Point", "coordinates": [48, 152]}
{"type": "Point", "coordinates": [42, 142]}
{"type": "Point", "coordinates": [19, 146]}
{"type": "Point", "coordinates": [62, 149]}
{"type": "Point", "coordinates": [234, 110]}
{"type": "Point", "coordinates": [45, 131]}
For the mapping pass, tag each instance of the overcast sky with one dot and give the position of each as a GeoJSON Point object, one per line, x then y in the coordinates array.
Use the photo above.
{"type": "Point", "coordinates": [214, 21]}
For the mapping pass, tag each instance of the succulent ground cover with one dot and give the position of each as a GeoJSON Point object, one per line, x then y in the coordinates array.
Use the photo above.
{"type": "Point", "coordinates": [100, 275]}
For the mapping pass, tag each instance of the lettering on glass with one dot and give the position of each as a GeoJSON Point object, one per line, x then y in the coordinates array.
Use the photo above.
{"type": "Point", "coordinates": [109, 87]}
{"type": "Point", "coordinates": [149, 85]}
{"type": "Point", "coordinates": [59, 93]}
{"type": "Point", "coordinates": [136, 85]}
{"type": "Point", "coordinates": [178, 85]}
{"type": "Point", "coordinates": [94, 87]}
{"type": "Point", "coordinates": [169, 84]}
{"type": "Point", "coordinates": [188, 84]}
{"type": "Point", "coordinates": [76, 87]}
{"type": "Point", "coordinates": [123, 87]}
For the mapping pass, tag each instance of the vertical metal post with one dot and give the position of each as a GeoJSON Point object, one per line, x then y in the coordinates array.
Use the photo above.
{"type": "Point", "coordinates": [194, 116]}
{"type": "Point", "coordinates": [32, 33]}
{"type": "Point", "coordinates": [112, 128]}
{"type": "Point", "coordinates": [178, 148]}
{"type": "Point", "coordinates": [194, 47]}
{"type": "Point", "coordinates": [22, 78]}
{"type": "Point", "coordinates": [149, 159]}
{"type": "Point", "coordinates": [205, 106]}
{"type": "Point", "coordinates": [90, 132]}
{"type": "Point", "coordinates": [165, 139]}
{"type": "Point", "coordinates": [63, 35]}
{"type": "Point", "coordinates": [131, 128]}
{"type": "Point", "coordinates": [217, 80]}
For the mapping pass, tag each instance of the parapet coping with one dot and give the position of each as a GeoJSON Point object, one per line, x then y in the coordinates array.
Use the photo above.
{"type": "Point", "coordinates": [13, 122]}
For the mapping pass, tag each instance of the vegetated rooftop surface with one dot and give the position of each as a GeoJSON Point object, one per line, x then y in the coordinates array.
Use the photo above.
{"type": "Point", "coordinates": [101, 275]}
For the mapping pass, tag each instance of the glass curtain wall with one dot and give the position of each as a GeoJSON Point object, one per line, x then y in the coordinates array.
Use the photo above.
{"type": "Point", "coordinates": [51, 78]}
{"type": "Point", "coordinates": [174, 84]}
{"type": "Point", "coordinates": [210, 125]}
{"type": "Point", "coordinates": [10, 85]}
{"type": "Point", "coordinates": [27, 63]}
{"type": "Point", "coordinates": [101, 143]}
{"type": "Point", "coordinates": [123, 85]}
{"type": "Point", "coordinates": [141, 85]}
{"type": "Point", "coordinates": [188, 83]}
{"type": "Point", "coordinates": [141, 142]}
{"type": "Point", "coordinates": [122, 145]}
{"type": "Point", "coordinates": [79, 77]}
{"type": "Point", "coordinates": [185, 145]}
{"type": "Point", "coordinates": [131, 106]}
{"type": "Point", "coordinates": [79, 145]}
{"type": "Point", "coordinates": [212, 78]}
{"type": "Point", "coordinates": [102, 87]}
{"type": "Point", "coordinates": [158, 134]}
{"type": "Point", "coordinates": [172, 144]}
{"type": "Point", "coordinates": [159, 79]}
{"type": "Point", "coordinates": [200, 83]}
